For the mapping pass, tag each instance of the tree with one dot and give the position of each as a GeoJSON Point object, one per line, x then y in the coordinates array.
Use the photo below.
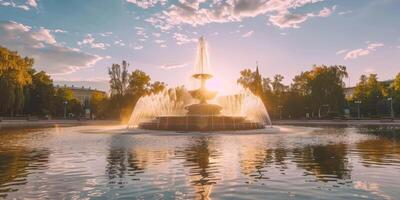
{"type": "Point", "coordinates": [118, 78]}
{"type": "Point", "coordinates": [139, 84]}
{"type": "Point", "coordinates": [252, 81]}
{"type": "Point", "coordinates": [98, 103]}
{"type": "Point", "coordinates": [370, 92]}
{"type": "Point", "coordinates": [62, 95]}
{"type": "Point", "coordinates": [277, 86]}
{"type": "Point", "coordinates": [157, 87]}
{"type": "Point", "coordinates": [14, 76]}
{"type": "Point", "coordinates": [41, 94]}
{"type": "Point", "coordinates": [395, 93]}
{"type": "Point", "coordinates": [322, 88]}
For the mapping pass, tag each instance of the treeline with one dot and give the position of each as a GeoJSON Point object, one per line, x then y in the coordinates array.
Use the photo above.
{"type": "Point", "coordinates": [24, 91]}
{"type": "Point", "coordinates": [319, 93]}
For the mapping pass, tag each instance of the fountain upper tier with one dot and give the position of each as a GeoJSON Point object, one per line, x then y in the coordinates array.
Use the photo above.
{"type": "Point", "coordinates": [203, 94]}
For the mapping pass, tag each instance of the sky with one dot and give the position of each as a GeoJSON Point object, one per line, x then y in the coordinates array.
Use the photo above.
{"type": "Point", "coordinates": [75, 41]}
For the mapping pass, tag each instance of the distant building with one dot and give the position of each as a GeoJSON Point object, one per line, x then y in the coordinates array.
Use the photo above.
{"type": "Point", "coordinates": [84, 95]}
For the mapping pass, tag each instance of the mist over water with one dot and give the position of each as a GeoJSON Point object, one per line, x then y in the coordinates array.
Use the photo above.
{"type": "Point", "coordinates": [172, 102]}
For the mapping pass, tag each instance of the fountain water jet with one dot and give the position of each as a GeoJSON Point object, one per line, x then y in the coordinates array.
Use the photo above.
{"type": "Point", "coordinates": [189, 110]}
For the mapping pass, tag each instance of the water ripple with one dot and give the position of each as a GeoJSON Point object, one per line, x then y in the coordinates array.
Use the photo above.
{"type": "Point", "coordinates": [327, 163]}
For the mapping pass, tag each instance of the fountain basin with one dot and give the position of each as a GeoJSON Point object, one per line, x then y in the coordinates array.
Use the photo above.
{"type": "Point", "coordinates": [200, 123]}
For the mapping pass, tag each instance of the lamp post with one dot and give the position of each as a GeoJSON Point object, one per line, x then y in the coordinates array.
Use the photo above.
{"type": "Point", "coordinates": [391, 107]}
{"type": "Point", "coordinates": [307, 114]}
{"type": "Point", "coordinates": [65, 109]}
{"type": "Point", "coordinates": [358, 102]}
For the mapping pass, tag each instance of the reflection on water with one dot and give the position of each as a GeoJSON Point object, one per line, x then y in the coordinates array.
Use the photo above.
{"type": "Point", "coordinates": [327, 163]}
{"type": "Point", "coordinates": [201, 158]}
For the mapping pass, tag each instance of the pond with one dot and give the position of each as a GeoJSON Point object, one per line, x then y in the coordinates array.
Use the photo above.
{"type": "Point", "coordinates": [94, 162]}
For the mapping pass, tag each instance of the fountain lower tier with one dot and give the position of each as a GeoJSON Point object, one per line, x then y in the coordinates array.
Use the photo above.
{"type": "Point", "coordinates": [203, 109]}
{"type": "Point", "coordinates": [200, 123]}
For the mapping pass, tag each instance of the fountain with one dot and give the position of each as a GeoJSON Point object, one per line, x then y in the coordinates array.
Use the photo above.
{"type": "Point", "coordinates": [181, 110]}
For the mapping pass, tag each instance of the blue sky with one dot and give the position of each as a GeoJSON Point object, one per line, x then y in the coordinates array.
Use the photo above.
{"type": "Point", "coordinates": [77, 40]}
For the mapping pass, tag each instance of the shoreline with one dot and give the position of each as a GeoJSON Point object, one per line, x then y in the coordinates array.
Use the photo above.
{"type": "Point", "coordinates": [53, 123]}
{"type": "Point", "coordinates": [338, 122]}
{"type": "Point", "coordinates": [64, 123]}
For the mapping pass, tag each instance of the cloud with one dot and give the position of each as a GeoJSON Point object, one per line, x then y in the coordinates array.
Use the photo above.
{"type": "Point", "coordinates": [353, 54]}
{"type": "Point", "coordinates": [196, 13]}
{"type": "Point", "coordinates": [141, 32]}
{"type": "Point", "coordinates": [342, 51]}
{"type": "Point", "coordinates": [49, 55]}
{"type": "Point", "coordinates": [105, 34]}
{"type": "Point", "coordinates": [32, 3]}
{"type": "Point", "coordinates": [44, 35]}
{"type": "Point", "coordinates": [183, 39]}
{"type": "Point", "coordinates": [172, 66]}
{"type": "Point", "coordinates": [370, 71]}
{"type": "Point", "coordinates": [248, 34]}
{"type": "Point", "coordinates": [156, 35]}
{"type": "Point", "coordinates": [23, 7]}
{"type": "Point", "coordinates": [345, 12]}
{"type": "Point", "coordinates": [138, 47]}
{"type": "Point", "coordinates": [119, 43]}
{"type": "Point", "coordinates": [60, 31]}
{"type": "Point", "coordinates": [288, 20]}
{"type": "Point", "coordinates": [159, 41]}
{"type": "Point", "coordinates": [146, 3]}
{"type": "Point", "coordinates": [326, 12]}
{"type": "Point", "coordinates": [90, 41]}
{"type": "Point", "coordinates": [292, 20]}
{"type": "Point", "coordinates": [27, 6]}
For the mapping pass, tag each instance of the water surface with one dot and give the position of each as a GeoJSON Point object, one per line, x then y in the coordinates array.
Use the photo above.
{"type": "Point", "coordinates": [112, 163]}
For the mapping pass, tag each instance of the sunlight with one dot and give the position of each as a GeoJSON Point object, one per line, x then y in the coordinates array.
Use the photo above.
{"type": "Point", "coordinates": [224, 86]}
{"type": "Point", "coordinates": [216, 84]}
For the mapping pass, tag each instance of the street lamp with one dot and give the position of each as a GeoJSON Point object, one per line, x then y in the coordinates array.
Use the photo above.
{"type": "Point", "coordinates": [307, 114]}
{"type": "Point", "coordinates": [65, 109]}
{"type": "Point", "coordinates": [391, 107]}
{"type": "Point", "coordinates": [358, 102]}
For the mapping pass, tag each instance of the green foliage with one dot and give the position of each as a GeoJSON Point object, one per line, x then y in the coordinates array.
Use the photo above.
{"type": "Point", "coordinates": [14, 76]}
{"type": "Point", "coordinates": [395, 93]}
{"type": "Point", "coordinates": [369, 91]}
{"type": "Point", "coordinates": [157, 87]}
{"type": "Point", "coordinates": [41, 95]}
{"type": "Point", "coordinates": [126, 90]}
{"type": "Point", "coordinates": [98, 105]}
{"type": "Point", "coordinates": [325, 88]}
{"type": "Point", "coordinates": [118, 78]}
{"type": "Point", "coordinates": [310, 91]}
{"type": "Point", "coordinates": [139, 83]}
{"type": "Point", "coordinates": [252, 81]}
